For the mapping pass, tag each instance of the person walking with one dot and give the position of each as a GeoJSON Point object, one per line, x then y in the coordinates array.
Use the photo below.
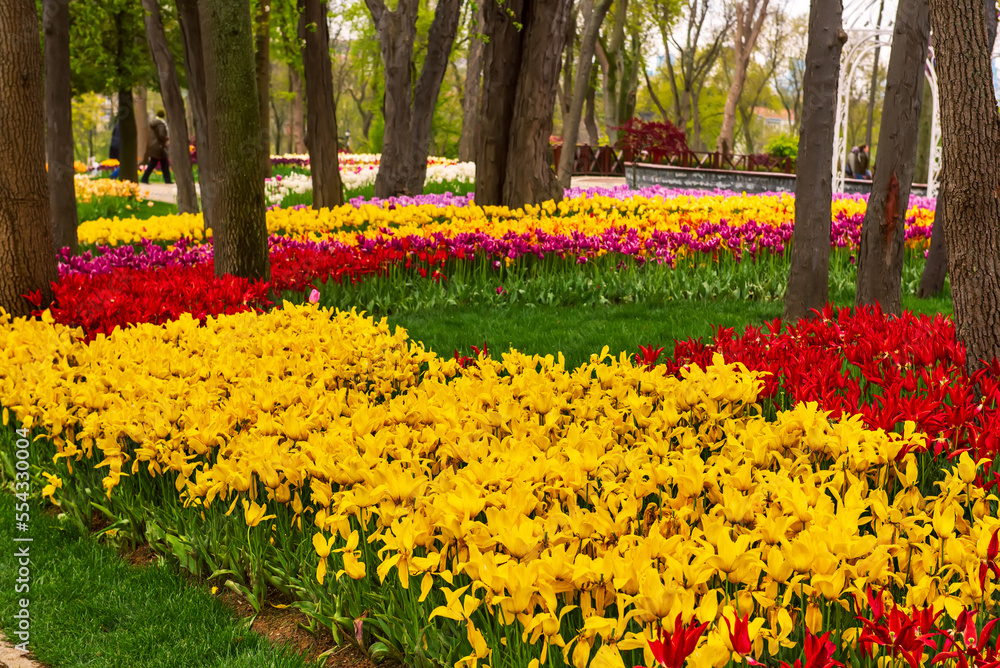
{"type": "Point", "coordinates": [156, 150]}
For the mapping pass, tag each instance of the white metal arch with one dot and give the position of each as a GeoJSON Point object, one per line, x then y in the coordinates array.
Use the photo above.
{"type": "Point", "coordinates": [865, 33]}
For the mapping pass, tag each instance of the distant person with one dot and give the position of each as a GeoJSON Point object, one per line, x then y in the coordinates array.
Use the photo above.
{"type": "Point", "coordinates": [156, 150]}
{"type": "Point", "coordinates": [851, 169]}
{"type": "Point", "coordinates": [864, 161]}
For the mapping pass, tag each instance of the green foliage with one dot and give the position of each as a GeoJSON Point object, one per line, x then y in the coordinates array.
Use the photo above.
{"type": "Point", "coordinates": [108, 49]}
{"type": "Point", "coordinates": [783, 146]}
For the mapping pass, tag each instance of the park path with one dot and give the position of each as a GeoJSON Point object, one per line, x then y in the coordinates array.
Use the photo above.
{"type": "Point", "coordinates": [12, 658]}
{"type": "Point", "coordinates": [164, 192]}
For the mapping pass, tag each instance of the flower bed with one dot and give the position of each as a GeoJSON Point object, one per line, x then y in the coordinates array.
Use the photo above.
{"type": "Point", "coordinates": [517, 511]}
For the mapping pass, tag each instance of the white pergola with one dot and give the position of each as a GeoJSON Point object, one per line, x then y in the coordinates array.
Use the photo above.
{"type": "Point", "coordinates": [864, 35]}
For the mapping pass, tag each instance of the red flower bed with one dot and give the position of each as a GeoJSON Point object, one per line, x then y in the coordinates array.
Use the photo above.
{"type": "Point", "coordinates": [100, 302]}
{"type": "Point", "coordinates": [888, 370]}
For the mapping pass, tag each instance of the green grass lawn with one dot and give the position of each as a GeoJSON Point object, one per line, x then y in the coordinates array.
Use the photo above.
{"type": "Point", "coordinates": [579, 331]}
{"type": "Point", "coordinates": [90, 608]}
{"type": "Point", "coordinates": [122, 207]}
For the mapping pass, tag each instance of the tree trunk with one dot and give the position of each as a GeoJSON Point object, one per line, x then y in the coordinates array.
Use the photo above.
{"type": "Point", "coordinates": [173, 103]}
{"type": "Point", "coordinates": [810, 254]}
{"type": "Point", "coordinates": [991, 25]}
{"type": "Point", "coordinates": [571, 127]}
{"type": "Point", "coordinates": [880, 257]}
{"type": "Point", "coordinates": [590, 117]}
{"type": "Point", "coordinates": [321, 136]}
{"type": "Point", "coordinates": [194, 62]}
{"type": "Point", "coordinates": [298, 112]}
{"type": "Point", "coordinates": [874, 82]}
{"type": "Point", "coordinates": [470, 101]}
{"type": "Point", "coordinates": [936, 267]}
{"type": "Point", "coordinates": [425, 95]}
{"type": "Point", "coordinates": [27, 258]}
{"type": "Point", "coordinates": [970, 129]}
{"type": "Point", "coordinates": [240, 235]}
{"type": "Point", "coordinates": [59, 118]}
{"type": "Point", "coordinates": [409, 108]}
{"type": "Point", "coordinates": [262, 66]}
{"type": "Point", "coordinates": [140, 100]}
{"type": "Point", "coordinates": [530, 178]}
{"type": "Point", "coordinates": [279, 126]}
{"type": "Point", "coordinates": [128, 169]}
{"type": "Point", "coordinates": [586, 8]}
{"type": "Point", "coordinates": [501, 64]}
{"type": "Point", "coordinates": [749, 18]}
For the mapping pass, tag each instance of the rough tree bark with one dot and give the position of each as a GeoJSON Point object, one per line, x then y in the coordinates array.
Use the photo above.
{"type": "Point", "coordinates": [409, 108]}
{"type": "Point", "coordinates": [194, 64]}
{"type": "Point", "coordinates": [970, 138]}
{"type": "Point", "coordinates": [240, 232]}
{"type": "Point", "coordinates": [173, 103]}
{"type": "Point", "coordinates": [808, 278]}
{"type": "Point", "coordinates": [27, 256]}
{"type": "Point", "coordinates": [529, 178]}
{"type": "Point", "coordinates": [262, 67]}
{"type": "Point", "coordinates": [59, 118]}
{"type": "Point", "coordinates": [470, 101]}
{"type": "Point", "coordinates": [880, 257]}
{"type": "Point", "coordinates": [321, 135]}
{"type": "Point", "coordinates": [750, 15]}
{"type": "Point", "coordinates": [571, 128]}
{"type": "Point", "coordinates": [520, 76]}
{"type": "Point", "coordinates": [936, 267]}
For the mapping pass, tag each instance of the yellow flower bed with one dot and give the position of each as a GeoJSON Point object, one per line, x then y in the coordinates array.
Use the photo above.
{"type": "Point", "coordinates": [586, 215]}
{"type": "Point", "coordinates": [517, 493]}
{"type": "Point", "coordinates": [87, 189]}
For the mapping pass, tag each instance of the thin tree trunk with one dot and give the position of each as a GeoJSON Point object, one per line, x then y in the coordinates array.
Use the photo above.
{"type": "Point", "coordinates": [173, 103]}
{"type": "Point", "coordinates": [810, 254]}
{"type": "Point", "coordinates": [590, 116]}
{"type": "Point", "coordinates": [298, 112]}
{"type": "Point", "coordinates": [748, 24]}
{"type": "Point", "coordinates": [566, 91]}
{"type": "Point", "coordinates": [194, 64]}
{"type": "Point", "coordinates": [59, 118]}
{"type": "Point", "coordinates": [936, 267]}
{"type": "Point", "coordinates": [530, 178]}
{"type": "Point", "coordinates": [874, 81]}
{"type": "Point", "coordinates": [571, 128]}
{"type": "Point", "coordinates": [128, 168]}
{"type": "Point", "coordinates": [880, 257]}
{"type": "Point", "coordinates": [970, 128]}
{"type": "Point", "coordinates": [321, 136]}
{"type": "Point", "coordinates": [611, 55]}
{"type": "Point", "coordinates": [240, 238]}
{"type": "Point", "coordinates": [470, 101]}
{"type": "Point", "coordinates": [425, 95]}
{"type": "Point", "coordinates": [279, 126]}
{"type": "Point", "coordinates": [27, 258]}
{"type": "Point", "coordinates": [140, 99]}
{"type": "Point", "coordinates": [262, 66]}
{"type": "Point", "coordinates": [501, 64]}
